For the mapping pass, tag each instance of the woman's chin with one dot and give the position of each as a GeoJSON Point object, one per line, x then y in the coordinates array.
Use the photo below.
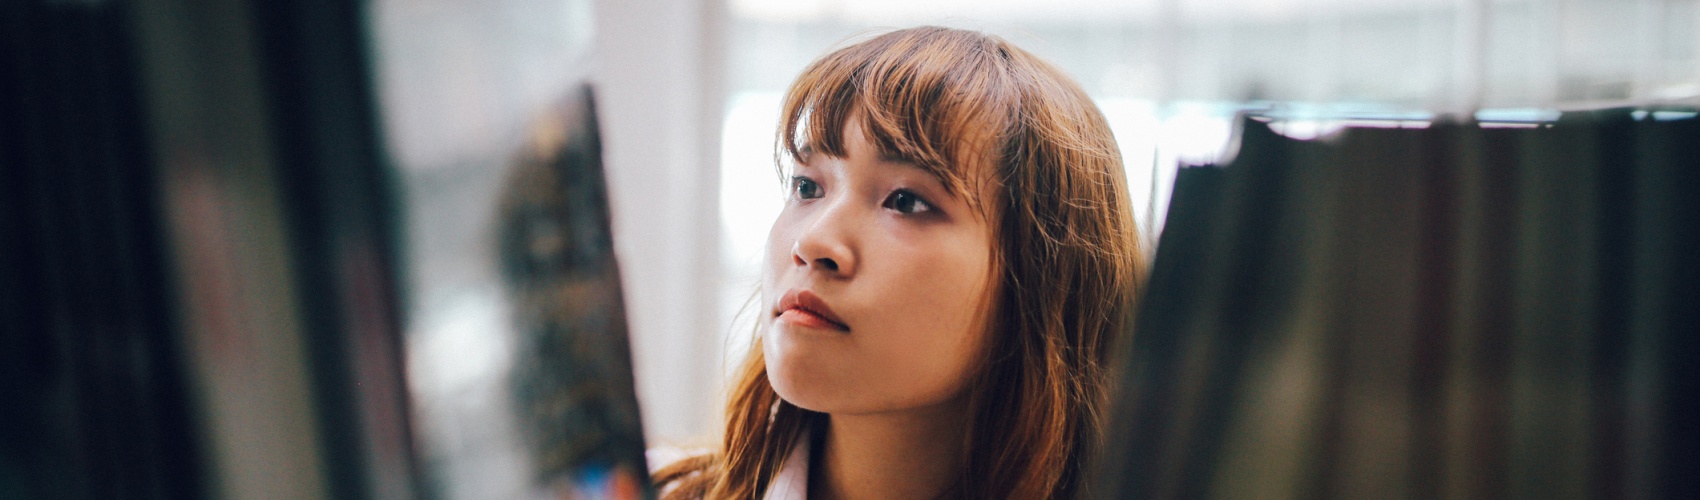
{"type": "Point", "coordinates": [797, 368]}
{"type": "Point", "coordinates": [794, 388]}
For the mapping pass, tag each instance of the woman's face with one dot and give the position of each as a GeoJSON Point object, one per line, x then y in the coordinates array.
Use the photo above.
{"type": "Point", "coordinates": [877, 285]}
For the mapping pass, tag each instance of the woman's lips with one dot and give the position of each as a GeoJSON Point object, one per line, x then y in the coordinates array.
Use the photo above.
{"type": "Point", "coordinates": [805, 308]}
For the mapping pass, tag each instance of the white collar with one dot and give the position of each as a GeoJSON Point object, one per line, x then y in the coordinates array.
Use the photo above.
{"type": "Point", "coordinates": [792, 481]}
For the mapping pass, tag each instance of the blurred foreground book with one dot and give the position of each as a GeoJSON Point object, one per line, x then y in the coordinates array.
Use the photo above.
{"type": "Point", "coordinates": [1460, 310]}
{"type": "Point", "coordinates": [573, 377]}
{"type": "Point", "coordinates": [205, 289]}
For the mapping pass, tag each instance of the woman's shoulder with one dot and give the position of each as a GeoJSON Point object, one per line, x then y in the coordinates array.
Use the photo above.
{"type": "Point", "coordinates": [661, 457]}
{"type": "Point", "coordinates": [679, 472]}
{"type": "Point", "coordinates": [673, 467]}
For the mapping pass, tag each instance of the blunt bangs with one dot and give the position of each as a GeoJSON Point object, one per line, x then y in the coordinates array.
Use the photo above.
{"type": "Point", "coordinates": [938, 98]}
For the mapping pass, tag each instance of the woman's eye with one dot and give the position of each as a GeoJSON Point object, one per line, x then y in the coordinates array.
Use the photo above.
{"type": "Point", "coordinates": [906, 202]}
{"type": "Point", "coordinates": [805, 189]}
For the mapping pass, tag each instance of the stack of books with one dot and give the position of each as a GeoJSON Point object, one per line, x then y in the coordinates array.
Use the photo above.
{"type": "Point", "coordinates": [1459, 310]}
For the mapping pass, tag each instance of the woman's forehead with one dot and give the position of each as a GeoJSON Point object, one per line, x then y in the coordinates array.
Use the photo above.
{"type": "Point", "coordinates": [958, 157]}
{"type": "Point", "coordinates": [855, 143]}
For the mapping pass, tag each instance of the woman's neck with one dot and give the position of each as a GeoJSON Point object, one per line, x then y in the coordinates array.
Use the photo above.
{"type": "Point", "coordinates": [913, 454]}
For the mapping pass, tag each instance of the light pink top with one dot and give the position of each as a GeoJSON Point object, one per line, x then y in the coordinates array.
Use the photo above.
{"type": "Point", "coordinates": [792, 482]}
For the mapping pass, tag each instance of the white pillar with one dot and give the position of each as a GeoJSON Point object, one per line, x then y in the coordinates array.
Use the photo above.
{"type": "Point", "coordinates": [660, 97]}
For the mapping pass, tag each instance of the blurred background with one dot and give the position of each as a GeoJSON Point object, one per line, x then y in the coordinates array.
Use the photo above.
{"type": "Point", "coordinates": [273, 174]}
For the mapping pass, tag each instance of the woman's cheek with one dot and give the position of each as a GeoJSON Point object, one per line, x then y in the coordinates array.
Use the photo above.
{"type": "Point", "coordinates": [779, 240]}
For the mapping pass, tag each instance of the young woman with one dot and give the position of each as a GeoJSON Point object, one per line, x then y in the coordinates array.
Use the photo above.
{"type": "Point", "coordinates": [955, 258]}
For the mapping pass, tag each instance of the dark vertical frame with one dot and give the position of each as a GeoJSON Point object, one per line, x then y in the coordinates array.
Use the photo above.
{"type": "Point", "coordinates": [95, 378]}
{"type": "Point", "coordinates": [341, 212]}
{"type": "Point", "coordinates": [94, 399]}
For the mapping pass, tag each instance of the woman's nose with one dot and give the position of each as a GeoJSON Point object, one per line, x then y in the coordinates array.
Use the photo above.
{"type": "Point", "coordinates": [824, 245]}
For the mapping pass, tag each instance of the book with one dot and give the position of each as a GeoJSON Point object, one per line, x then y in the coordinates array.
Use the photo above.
{"type": "Point", "coordinates": [572, 378]}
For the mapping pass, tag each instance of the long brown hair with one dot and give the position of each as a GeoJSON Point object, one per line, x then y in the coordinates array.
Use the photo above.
{"type": "Point", "coordinates": [1066, 251]}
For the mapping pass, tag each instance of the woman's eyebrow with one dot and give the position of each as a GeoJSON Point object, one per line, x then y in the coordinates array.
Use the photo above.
{"type": "Point", "coordinates": [937, 177]}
